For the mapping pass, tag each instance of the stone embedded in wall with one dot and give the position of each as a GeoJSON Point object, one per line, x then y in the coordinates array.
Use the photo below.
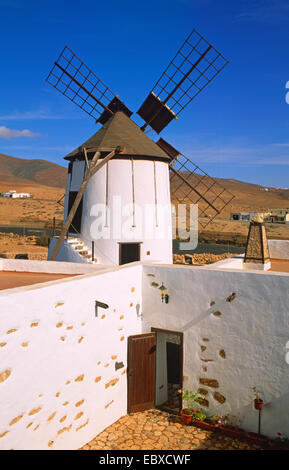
{"type": "Point", "coordinates": [59, 325]}
{"type": "Point", "coordinates": [212, 303]}
{"type": "Point", "coordinates": [50, 418]}
{"type": "Point", "coordinates": [203, 348]}
{"type": "Point", "coordinates": [204, 402]}
{"type": "Point", "coordinates": [131, 304]}
{"type": "Point", "coordinates": [78, 415]}
{"type": "Point", "coordinates": [113, 357]}
{"type": "Point", "coordinates": [3, 434]}
{"type": "Point", "coordinates": [209, 382]}
{"type": "Point", "coordinates": [69, 327]}
{"type": "Point", "coordinates": [36, 427]}
{"type": "Point", "coordinates": [67, 428]}
{"type": "Point", "coordinates": [204, 368]}
{"type": "Point", "coordinates": [121, 317]}
{"type": "Point", "coordinates": [62, 419]}
{"type": "Point", "coordinates": [206, 339]}
{"type": "Point", "coordinates": [59, 304]}
{"type": "Point", "coordinates": [110, 403]}
{"type": "Point", "coordinates": [132, 289]}
{"type": "Point", "coordinates": [82, 425]}
{"type": "Point", "coordinates": [79, 378]}
{"type": "Point", "coordinates": [4, 375]}
{"type": "Point", "coordinates": [15, 420]}
{"type": "Point", "coordinates": [34, 324]}
{"type": "Point", "coordinates": [119, 365]}
{"type": "Point", "coordinates": [123, 372]}
{"type": "Point", "coordinates": [231, 297]}
{"type": "Point", "coordinates": [203, 391]}
{"type": "Point", "coordinates": [222, 353]}
{"type": "Point", "coordinates": [111, 383]}
{"type": "Point", "coordinates": [80, 339]}
{"type": "Point", "coordinates": [103, 316]}
{"type": "Point", "coordinates": [151, 275]}
{"type": "Point", "coordinates": [25, 344]}
{"type": "Point", "coordinates": [29, 425]}
{"type": "Point", "coordinates": [219, 397]}
{"type": "Point", "coordinates": [154, 284]}
{"type": "Point", "coordinates": [97, 379]}
{"type": "Point", "coordinates": [65, 403]}
{"type": "Point", "coordinates": [217, 313]}
{"type": "Point", "coordinates": [50, 443]}
{"type": "Point", "coordinates": [34, 411]}
{"type": "Point", "coordinates": [79, 403]}
{"type": "Point", "coordinates": [11, 331]}
{"type": "Point", "coordinates": [207, 360]}
{"type": "Point", "coordinates": [122, 338]}
{"type": "Point", "coordinates": [2, 345]}
{"type": "Point", "coordinates": [62, 338]}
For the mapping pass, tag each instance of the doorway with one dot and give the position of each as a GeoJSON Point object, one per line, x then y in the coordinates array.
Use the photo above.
{"type": "Point", "coordinates": [169, 370]}
{"type": "Point", "coordinates": [141, 372]}
{"type": "Point", "coordinates": [75, 226]}
{"type": "Point", "coordinates": [129, 252]}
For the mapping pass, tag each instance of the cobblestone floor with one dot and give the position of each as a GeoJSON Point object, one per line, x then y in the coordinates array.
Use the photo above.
{"type": "Point", "coordinates": [156, 430]}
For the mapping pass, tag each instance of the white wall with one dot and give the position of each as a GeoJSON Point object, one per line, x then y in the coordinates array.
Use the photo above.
{"type": "Point", "coordinates": [117, 181]}
{"type": "Point", "coordinates": [252, 330]}
{"type": "Point", "coordinates": [54, 348]}
{"type": "Point", "coordinates": [279, 249]}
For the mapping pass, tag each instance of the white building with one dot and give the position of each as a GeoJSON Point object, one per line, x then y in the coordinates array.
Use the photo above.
{"type": "Point", "coordinates": [15, 195]}
{"type": "Point", "coordinates": [245, 216]}
{"type": "Point", "coordinates": [67, 368]}
{"type": "Point", "coordinates": [133, 186]}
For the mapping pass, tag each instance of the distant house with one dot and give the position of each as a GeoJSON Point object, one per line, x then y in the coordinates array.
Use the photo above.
{"type": "Point", "coordinates": [14, 195]}
{"type": "Point", "coordinates": [279, 216]}
{"type": "Point", "coordinates": [246, 216]}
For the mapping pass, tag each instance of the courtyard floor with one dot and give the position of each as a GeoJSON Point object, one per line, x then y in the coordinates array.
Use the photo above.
{"type": "Point", "coordinates": [157, 430]}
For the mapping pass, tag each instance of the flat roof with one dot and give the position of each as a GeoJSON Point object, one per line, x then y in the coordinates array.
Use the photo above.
{"type": "Point", "coordinates": [280, 265]}
{"type": "Point", "coordinates": [11, 279]}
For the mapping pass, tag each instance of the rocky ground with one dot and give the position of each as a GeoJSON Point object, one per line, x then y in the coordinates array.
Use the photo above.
{"type": "Point", "coordinates": [12, 245]}
{"type": "Point", "coordinates": [157, 430]}
{"type": "Point", "coordinates": [201, 259]}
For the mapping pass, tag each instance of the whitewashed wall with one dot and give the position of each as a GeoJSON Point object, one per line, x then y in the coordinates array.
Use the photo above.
{"type": "Point", "coordinates": [119, 179]}
{"type": "Point", "coordinates": [239, 344]}
{"type": "Point", "coordinates": [59, 386]}
{"type": "Point", "coordinates": [279, 249]}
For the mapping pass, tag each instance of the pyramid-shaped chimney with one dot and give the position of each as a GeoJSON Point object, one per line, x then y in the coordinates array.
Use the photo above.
{"type": "Point", "coordinates": [257, 251]}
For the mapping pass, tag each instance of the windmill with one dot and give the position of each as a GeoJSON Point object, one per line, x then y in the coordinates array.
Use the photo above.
{"type": "Point", "coordinates": [193, 67]}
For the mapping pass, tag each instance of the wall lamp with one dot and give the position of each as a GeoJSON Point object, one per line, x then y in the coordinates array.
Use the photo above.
{"type": "Point", "coordinates": [164, 294]}
{"type": "Point", "coordinates": [99, 304]}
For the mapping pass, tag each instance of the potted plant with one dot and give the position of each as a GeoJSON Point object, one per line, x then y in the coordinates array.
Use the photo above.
{"type": "Point", "coordinates": [281, 442]}
{"type": "Point", "coordinates": [191, 410]}
{"type": "Point", "coordinates": [230, 425]}
{"type": "Point", "coordinates": [258, 402]}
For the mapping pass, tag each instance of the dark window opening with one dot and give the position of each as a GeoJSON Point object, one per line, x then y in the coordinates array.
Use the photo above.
{"type": "Point", "coordinates": [129, 252]}
{"type": "Point", "coordinates": [75, 226]}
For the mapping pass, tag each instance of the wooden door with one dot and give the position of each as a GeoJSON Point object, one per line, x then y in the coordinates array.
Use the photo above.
{"type": "Point", "coordinates": [141, 372]}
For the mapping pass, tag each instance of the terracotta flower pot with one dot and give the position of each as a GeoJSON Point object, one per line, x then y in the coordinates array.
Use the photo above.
{"type": "Point", "coordinates": [187, 418]}
{"type": "Point", "coordinates": [205, 425]}
{"type": "Point", "coordinates": [258, 403]}
{"type": "Point", "coordinates": [258, 439]}
{"type": "Point", "coordinates": [234, 433]}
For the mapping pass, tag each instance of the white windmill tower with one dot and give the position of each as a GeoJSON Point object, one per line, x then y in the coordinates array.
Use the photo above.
{"type": "Point", "coordinates": [120, 171]}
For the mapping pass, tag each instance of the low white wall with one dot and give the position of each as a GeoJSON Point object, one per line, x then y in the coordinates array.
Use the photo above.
{"type": "Point", "coordinates": [279, 249]}
{"type": "Point", "coordinates": [66, 253]}
{"type": "Point", "coordinates": [52, 267]}
{"type": "Point", "coordinates": [59, 382]}
{"type": "Point", "coordinates": [229, 347]}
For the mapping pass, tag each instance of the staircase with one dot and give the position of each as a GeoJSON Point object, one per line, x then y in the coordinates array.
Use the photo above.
{"type": "Point", "coordinates": [79, 247]}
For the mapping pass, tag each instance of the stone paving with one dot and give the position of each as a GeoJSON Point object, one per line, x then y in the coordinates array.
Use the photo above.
{"type": "Point", "coordinates": [157, 430]}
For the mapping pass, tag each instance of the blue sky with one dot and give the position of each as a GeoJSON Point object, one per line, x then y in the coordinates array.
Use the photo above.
{"type": "Point", "coordinates": [238, 127]}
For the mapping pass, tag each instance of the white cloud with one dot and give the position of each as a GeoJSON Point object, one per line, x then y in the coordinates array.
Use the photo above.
{"type": "Point", "coordinates": [38, 114]}
{"type": "Point", "coordinates": [6, 133]}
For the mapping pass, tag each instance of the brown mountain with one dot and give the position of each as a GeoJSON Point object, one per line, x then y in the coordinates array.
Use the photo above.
{"type": "Point", "coordinates": [20, 172]}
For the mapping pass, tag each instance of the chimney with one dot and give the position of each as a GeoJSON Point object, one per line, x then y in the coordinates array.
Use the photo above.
{"type": "Point", "coordinates": [257, 251]}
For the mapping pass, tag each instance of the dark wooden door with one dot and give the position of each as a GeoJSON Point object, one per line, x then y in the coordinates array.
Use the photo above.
{"type": "Point", "coordinates": [141, 372]}
{"type": "Point", "coordinates": [75, 226]}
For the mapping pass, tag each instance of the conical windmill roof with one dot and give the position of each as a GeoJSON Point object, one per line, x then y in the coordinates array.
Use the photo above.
{"type": "Point", "coordinates": [121, 131]}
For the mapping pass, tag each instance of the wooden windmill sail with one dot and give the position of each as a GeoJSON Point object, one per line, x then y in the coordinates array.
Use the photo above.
{"type": "Point", "coordinates": [194, 66]}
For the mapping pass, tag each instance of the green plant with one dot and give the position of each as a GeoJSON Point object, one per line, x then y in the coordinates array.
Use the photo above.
{"type": "Point", "coordinates": [43, 240]}
{"type": "Point", "coordinates": [281, 441]}
{"type": "Point", "coordinates": [230, 421]}
{"type": "Point", "coordinates": [191, 400]}
{"type": "Point", "coordinates": [256, 393]}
